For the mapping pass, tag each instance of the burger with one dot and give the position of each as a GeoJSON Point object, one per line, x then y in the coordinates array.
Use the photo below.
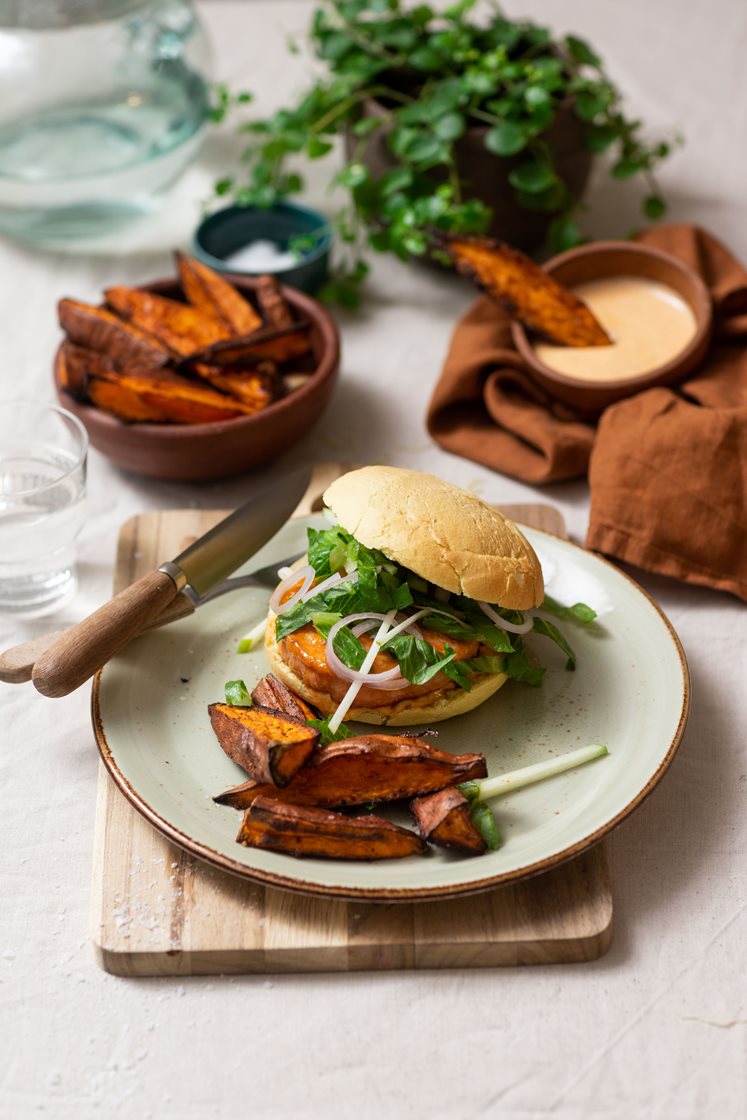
{"type": "Point", "coordinates": [410, 607]}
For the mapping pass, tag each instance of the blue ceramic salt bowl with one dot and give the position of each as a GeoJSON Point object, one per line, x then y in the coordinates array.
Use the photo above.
{"type": "Point", "coordinates": [226, 231]}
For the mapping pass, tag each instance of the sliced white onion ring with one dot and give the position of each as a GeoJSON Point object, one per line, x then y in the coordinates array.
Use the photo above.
{"type": "Point", "coordinates": [355, 686]}
{"type": "Point", "coordinates": [512, 627]}
{"type": "Point", "coordinates": [409, 627]}
{"type": "Point", "coordinates": [330, 581]}
{"type": "Point", "coordinates": [305, 576]}
{"type": "Point", "coordinates": [362, 627]}
{"type": "Point", "coordinates": [388, 679]}
{"type": "Point", "coordinates": [409, 623]}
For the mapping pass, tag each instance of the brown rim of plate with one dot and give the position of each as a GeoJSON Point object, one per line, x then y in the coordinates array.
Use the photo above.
{"type": "Point", "coordinates": [407, 894]}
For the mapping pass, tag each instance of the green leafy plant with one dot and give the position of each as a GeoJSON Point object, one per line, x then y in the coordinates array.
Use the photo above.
{"type": "Point", "coordinates": [432, 75]}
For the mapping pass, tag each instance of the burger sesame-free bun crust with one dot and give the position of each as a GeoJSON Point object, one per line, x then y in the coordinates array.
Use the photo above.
{"type": "Point", "coordinates": [445, 535]}
{"type": "Point", "coordinates": [430, 708]}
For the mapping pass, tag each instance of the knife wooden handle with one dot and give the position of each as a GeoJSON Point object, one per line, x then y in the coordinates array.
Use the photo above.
{"type": "Point", "coordinates": [84, 648]}
{"type": "Point", "coordinates": [17, 663]}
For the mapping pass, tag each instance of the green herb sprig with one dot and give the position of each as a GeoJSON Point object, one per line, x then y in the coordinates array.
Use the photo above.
{"type": "Point", "coordinates": [432, 75]}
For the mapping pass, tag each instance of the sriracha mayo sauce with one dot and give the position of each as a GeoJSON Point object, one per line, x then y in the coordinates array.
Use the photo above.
{"type": "Point", "coordinates": [649, 324]}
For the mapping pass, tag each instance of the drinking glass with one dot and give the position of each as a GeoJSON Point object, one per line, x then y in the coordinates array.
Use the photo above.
{"type": "Point", "coordinates": [42, 493]}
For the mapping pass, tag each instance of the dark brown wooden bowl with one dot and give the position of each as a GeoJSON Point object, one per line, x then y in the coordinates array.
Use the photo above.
{"type": "Point", "coordinates": [199, 452]}
{"type": "Point", "coordinates": [621, 258]}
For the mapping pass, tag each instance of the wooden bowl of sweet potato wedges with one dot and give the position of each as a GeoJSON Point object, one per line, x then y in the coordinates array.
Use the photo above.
{"type": "Point", "coordinates": [199, 377]}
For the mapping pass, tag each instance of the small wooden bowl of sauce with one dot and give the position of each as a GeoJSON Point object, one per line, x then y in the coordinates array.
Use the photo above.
{"type": "Point", "coordinates": [656, 309]}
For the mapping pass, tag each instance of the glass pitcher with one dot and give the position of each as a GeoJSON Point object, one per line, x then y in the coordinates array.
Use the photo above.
{"type": "Point", "coordinates": [102, 105]}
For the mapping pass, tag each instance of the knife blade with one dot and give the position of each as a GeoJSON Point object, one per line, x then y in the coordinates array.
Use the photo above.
{"type": "Point", "coordinates": [80, 651]}
{"type": "Point", "coordinates": [233, 540]}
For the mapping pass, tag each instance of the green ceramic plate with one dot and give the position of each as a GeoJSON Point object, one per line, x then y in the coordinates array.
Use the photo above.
{"type": "Point", "coordinates": [630, 691]}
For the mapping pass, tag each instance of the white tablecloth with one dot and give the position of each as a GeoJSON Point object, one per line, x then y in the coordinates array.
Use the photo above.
{"type": "Point", "coordinates": [656, 1028]}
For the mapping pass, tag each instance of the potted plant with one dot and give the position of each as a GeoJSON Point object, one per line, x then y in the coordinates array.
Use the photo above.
{"type": "Point", "coordinates": [448, 122]}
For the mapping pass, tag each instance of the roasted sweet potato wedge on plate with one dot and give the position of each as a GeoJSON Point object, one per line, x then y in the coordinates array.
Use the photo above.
{"type": "Point", "coordinates": [270, 746]}
{"type": "Point", "coordinates": [367, 769]}
{"type": "Point", "coordinates": [443, 818]}
{"type": "Point", "coordinates": [272, 693]}
{"type": "Point", "coordinates": [303, 831]}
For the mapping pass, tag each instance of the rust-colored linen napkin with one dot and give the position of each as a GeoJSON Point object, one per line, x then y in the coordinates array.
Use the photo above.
{"type": "Point", "coordinates": [667, 468]}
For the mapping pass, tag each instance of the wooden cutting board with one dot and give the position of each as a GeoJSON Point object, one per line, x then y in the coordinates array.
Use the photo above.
{"type": "Point", "coordinates": [158, 911]}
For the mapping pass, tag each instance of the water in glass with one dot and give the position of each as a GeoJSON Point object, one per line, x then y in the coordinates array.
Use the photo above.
{"type": "Point", "coordinates": [42, 493]}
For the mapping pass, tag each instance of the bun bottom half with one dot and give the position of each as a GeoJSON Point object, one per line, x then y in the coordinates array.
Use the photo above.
{"type": "Point", "coordinates": [430, 708]}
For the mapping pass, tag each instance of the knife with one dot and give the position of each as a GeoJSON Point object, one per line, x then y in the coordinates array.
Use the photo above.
{"type": "Point", "coordinates": [80, 651]}
{"type": "Point", "coordinates": [17, 663]}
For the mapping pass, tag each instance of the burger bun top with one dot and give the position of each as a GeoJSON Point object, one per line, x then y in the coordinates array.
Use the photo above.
{"type": "Point", "coordinates": [445, 535]}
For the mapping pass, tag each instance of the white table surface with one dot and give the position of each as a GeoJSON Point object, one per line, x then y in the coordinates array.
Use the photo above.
{"type": "Point", "coordinates": [658, 1027]}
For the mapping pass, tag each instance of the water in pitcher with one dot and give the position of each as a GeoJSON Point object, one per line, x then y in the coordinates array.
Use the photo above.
{"type": "Point", "coordinates": [103, 103]}
{"type": "Point", "coordinates": [42, 493]}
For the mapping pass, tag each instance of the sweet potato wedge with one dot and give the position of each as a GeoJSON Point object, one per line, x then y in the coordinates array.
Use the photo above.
{"type": "Point", "coordinates": [274, 307]}
{"type": "Point", "coordinates": [139, 398]}
{"type": "Point", "coordinates": [256, 388]}
{"type": "Point", "coordinates": [527, 292]}
{"type": "Point", "coordinates": [364, 770]}
{"type": "Point", "coordinates": [270, 344]}
{"type": "Point", "coordinates": [272, 693]}
{"type": "Point", "coordinates": [78, 364]}
{"type": "Point", "coordinates": [110, 394]}
{"type": "Point", "coordinates": [101, 330]}
{"type": "Point", "coordinates": [270, 746]}
{"type": "Point", "coordinates": [305, 832]}
{"type": "Point", "coordinates": [182, 328]}
{"type": "Point", "coordinates": [443, 818]}
{"type": "Point", "coordinates": [210, 292]}
{"type": "Point", "coordinates": [74, 365]}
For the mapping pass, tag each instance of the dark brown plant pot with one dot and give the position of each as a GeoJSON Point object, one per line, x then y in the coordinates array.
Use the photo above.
{"type": "Point", "coordinates": [485, 176]}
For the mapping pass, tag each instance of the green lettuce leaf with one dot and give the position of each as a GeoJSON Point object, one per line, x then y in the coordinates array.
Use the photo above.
{"type": "Point", "coordinates": [471, 790]}
{"type": "Point", "coordinates": [418, 661]}
{"type": "Point", "coordinates": [325, 735]}
{"type": "Point", "coordinates": [579, 612]}
{"type": "Point", "coordinates": [335, 600]}
{"type": "Point", "coordinates": [542, 626]}
{"type": "Point", "coordinates": [482, 818]}
{"type": "Point", "coordinates": [380, 585]}
{"type": "Point", "coordinates": [457, 672]}
{"type": "Point", "coordinates": [323, 543]}
{"type": "Point", "coordinates": [517, 666]}
{"type": "Point", "coordinates": [324, 621]}
{"type": "Point", "coordinates": [237, 694]}
{"type": "Point", "coordinates": [349, 649]}
{"type": "Point", "coordinates": [483, 664]}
